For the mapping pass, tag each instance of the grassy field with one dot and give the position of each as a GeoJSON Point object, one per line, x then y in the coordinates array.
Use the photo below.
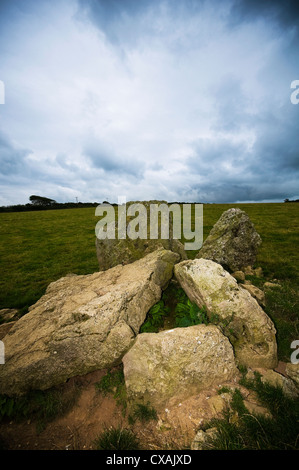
{"type": "Point", "coordinates": [40, 247]}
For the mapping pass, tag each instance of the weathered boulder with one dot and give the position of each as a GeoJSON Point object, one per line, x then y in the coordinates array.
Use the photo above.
{"type": "Point", "coordinates": [111, 252]}
{"type": "Point", "coordinates": [250, 330]}
{"type": "Point", "coordinates": [82, 323]}
{"type": "Point", "coordinates": [233, 241]}
{"type": "Point", "coordinates": [176, 364]}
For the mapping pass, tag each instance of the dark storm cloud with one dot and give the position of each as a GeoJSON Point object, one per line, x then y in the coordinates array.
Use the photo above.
{"type": "Point", "coordinates": [116, 18]}
{"type": "Point", "coordinates": [12, 159]}
{"type": "Point", "coordinates": [108, 161]}
{"type": "Point", "coordinates": [277, 145]}
{"type": "Point", "coordinates": [285, 12]}
{"type": "Point", "coordinates": [170, 99]}
{"type": "Point", "coordinates": [266, 170]}
{"type": "Point", "coordinates": [107, 15]}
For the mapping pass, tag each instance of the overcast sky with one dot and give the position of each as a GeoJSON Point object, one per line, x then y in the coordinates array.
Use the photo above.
{"type": "Point", "coordinates": [182, 100]}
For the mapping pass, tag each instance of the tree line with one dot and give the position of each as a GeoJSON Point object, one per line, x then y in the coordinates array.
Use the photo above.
{"type": "Point", "coordinates": [40, 203]}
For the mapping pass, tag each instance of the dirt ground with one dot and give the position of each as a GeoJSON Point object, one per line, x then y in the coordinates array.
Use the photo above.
{"type": "Point", "coordinates": [94, 412]}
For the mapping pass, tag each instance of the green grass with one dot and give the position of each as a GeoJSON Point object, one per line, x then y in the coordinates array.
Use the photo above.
{"type": "Point", "coordinates": [41, 406]}
{"type": "Point", "coordinates": [278, 225]}
{"type": "Point", "coordinates": [117, 438]}
{"type": "Point", "coordinates": [143, 413]}
{"type": "Point", "coordinates": [113, 382]}
{"type": "Point", "coordinates": [40, 247]}
{"type": "Point", "coordinates": [238, 429]}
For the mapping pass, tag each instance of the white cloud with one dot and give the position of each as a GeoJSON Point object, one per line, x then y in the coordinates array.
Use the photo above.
{"type": "Point", "coordinates": [143, 106]}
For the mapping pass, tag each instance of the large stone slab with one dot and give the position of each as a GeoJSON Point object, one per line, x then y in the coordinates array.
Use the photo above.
{"type": "Point", "coordinates": [177, 364]}
{"type": "Point", "coordinates": [233, 241]}
{"type": "Point", "coordinates": [82, 323]}
{"type": "Point", "coordinates": [243, 321]}
{"type": "Point", "coordinates": [111, 252]}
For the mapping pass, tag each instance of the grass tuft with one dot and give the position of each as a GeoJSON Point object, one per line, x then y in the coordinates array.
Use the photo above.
{"type": "Point", "coordinates": [238, 429]}
{"type": "Point", "coordinates": [117, 438]}
{"type": "Point", "coordinates": [41, 406]}
{"type": "Point", "coordinates": [143, 413]}
{"type": "Point", "coordinates": [114, 383]}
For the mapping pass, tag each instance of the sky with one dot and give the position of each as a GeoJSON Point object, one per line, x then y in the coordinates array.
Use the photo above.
{"type": "Point", "coordinates": [176, 100]}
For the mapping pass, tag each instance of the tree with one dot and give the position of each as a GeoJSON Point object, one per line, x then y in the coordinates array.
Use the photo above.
{"type": "Point", "coordinates": [41, 201]}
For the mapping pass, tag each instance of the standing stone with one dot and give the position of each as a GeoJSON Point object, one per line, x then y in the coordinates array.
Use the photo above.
{"type": "Point", "coordinates": [111, 252]}
{"type": "Point", "coordinates": [233, 241]}
{"type": "Point", "coordinates": [242, 320]}
{"type": "Point", "coordinates": [177, 364]}
{"type": "Point", "coordinates": [82, 323]}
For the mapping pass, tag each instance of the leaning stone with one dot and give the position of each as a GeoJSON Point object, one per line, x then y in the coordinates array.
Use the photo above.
{"type": "Point", "coordinates": [250, 330]}
{"type": "Point", "coordinates": [177, 364]}
{"type": "Point", "coordinates": [82, 323]}
{"type": "Point", "coordinates": [233, 241]}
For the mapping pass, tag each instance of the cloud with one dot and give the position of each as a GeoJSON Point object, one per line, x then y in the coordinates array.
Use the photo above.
{"type": "Point", "coordinates": [107, 160]}
{"type": "Point", "coordinates": [286, 13]}
{"type": "Point", "coordinates": [12, 158]}
{"type": "Point", "coordinates": [178, 100]}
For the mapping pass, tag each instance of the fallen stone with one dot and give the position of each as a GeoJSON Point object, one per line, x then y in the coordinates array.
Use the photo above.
{"type": "Point", "coordinates": [177, 364]}
{"type": "Point", "coordinates": [233, 241]}
{"type": "Point", "coordinates": [242, 320]}
{"type": "Point", "coordinates": [82, 323]}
